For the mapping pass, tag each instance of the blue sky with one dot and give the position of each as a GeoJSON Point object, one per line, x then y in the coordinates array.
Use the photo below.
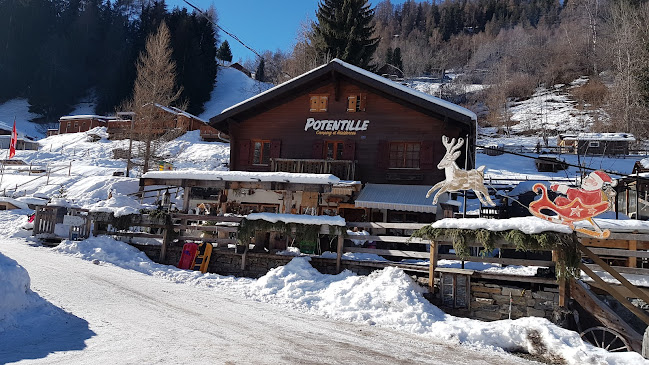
{"type": "Point", "coordinates": [262, 24]}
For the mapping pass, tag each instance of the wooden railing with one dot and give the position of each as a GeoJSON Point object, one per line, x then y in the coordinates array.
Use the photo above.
{"type": "Point", "coordinates": [187, 225]}
{"type": "Point", "coordinates": [343, 169]}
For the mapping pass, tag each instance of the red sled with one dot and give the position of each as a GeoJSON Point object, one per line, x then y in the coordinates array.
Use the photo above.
{"type": "Point", "coordinates": [190, 250]}
{"type": "Point", "coordinates": [567, 214]}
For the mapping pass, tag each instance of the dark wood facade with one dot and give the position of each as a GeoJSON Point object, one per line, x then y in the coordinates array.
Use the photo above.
{"type": "Point", "coordinates": [283, 121]}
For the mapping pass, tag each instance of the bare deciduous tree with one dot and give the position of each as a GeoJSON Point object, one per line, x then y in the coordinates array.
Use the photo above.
{"type": "Point", "coordinates": [154, 89]}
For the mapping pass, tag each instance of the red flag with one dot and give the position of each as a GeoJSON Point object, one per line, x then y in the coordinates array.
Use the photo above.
{"type": "Point", "coordinates": [14, 140]}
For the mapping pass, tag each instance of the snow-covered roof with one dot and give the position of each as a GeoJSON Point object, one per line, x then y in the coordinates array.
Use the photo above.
{"type": "Point", "coordinates": [298, 218]}
{"type": "Point", "coordinates": [190, 115]}
{"type": "Point", "coordinates": [645, 163]}
{"type": "Point", "coordinates": [14, 202]}
{"type": "Point", "coordinates": [600, 137]}
{"type": "Point", "coordinates": [288, 177]}
{"type": "Point", "coordinates": [87, 116]}
{"type": "Point", "coordinates": [386, 82]}
{"type": "Point", "coordinates": [408, 198]}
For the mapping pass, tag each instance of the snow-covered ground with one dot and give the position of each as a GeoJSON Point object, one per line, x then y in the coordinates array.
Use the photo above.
{"type": "Point", "coordinates": [18, 110]}
{"type": "Point", "coordinates": [100, 300]}
{"type": "Point", "coordinates": [59, 307]}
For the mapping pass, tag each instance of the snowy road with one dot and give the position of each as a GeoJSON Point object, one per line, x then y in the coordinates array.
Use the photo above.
{"type": "Point", "coordinates": [119, 316]}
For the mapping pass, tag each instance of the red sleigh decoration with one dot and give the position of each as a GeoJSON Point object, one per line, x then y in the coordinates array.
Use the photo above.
{"type": "Point", "coordinates": [572, 212]}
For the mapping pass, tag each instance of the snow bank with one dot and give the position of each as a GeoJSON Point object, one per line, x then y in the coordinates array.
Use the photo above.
{"type": "Point", "coordinates": [528, 225]}
{"type": "Point", "coordinates": [386, 297]}
{"type": "Point", "coordinates": [298, 218]}
{"type": "Point", "coordinates": [14, 286]}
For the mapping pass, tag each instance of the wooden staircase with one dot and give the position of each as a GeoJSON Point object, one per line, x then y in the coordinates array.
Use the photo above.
{"type": "Point", "coordinates": [584, 296]}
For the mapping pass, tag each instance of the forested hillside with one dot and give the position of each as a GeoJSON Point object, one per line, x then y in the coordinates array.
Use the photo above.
{"type": "Point", "coordinates": [513, 46]}
{"type": "Point", "coordinates": [58, 52]}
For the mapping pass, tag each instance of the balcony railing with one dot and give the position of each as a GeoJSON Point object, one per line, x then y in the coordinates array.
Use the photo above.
{"type": "Point", "coordinates": [343, 169]}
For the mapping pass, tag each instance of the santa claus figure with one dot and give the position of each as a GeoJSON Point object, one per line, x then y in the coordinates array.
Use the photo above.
{"type": "Point", "coordinates": [589, 193]}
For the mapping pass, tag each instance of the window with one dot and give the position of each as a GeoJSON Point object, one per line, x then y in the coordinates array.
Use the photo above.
{"type": "Point", "coordinates": [594, 144]}
{"type": "Point", "coordinates": [404, 155]}
{"type": "Point", "coordinates": [261, 153]}
{"type": "Point", "coordinates": [356, 103]}
{"type": "Point", "coordinates": [334, 150]}
{"type": "Point", "coordinates": [319, 103]}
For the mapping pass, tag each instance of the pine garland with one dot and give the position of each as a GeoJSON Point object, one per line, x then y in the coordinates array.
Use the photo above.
{"type": "Point", "coordinates": [303, 232]}
{"type": "Point", "coordinates": [569, 255]}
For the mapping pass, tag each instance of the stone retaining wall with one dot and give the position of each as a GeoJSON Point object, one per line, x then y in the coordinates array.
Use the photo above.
{"type": "Point", "coordinates": [491, 301]}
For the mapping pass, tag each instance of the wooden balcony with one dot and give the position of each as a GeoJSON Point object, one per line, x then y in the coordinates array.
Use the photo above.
{"type": "Point", "coordinates": [343, 169]}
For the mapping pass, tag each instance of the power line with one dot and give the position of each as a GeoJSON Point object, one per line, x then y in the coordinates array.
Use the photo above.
{"type": "Point", "coordinates": [221, 28]}
{"type": "Point", "coordinates": [610, 172]}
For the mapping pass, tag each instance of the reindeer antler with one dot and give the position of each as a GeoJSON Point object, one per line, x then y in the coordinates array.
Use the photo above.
{"type": "Point", "coordinates": [452, 146]}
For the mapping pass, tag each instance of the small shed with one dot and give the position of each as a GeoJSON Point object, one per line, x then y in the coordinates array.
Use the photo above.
{"type": "Point", "coordinates": [10, 203]}
{"type": "Point", "coordinates": [598, 144]}
{"type": "Point", "coordinates": [238, 66]}
{"type": "Point", "coordinates": [390, 72]}
{"type": "Point", "coordinates": [550, 163]}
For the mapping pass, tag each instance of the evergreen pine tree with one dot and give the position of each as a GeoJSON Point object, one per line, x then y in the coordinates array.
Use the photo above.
{"type": "Point", "coordinates": [389, 56]}
{"type": "Point", "coordinates": [396, 59]}
{"type": "Point", "coordinates": [260, 73]}
{"type": "Point", "coordinates": [224, 53]}
{"type": "Point", "coordinates": [344, 30]}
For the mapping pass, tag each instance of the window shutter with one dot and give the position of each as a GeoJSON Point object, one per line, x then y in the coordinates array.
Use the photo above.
{"type": "Point", "coordinates": [383, 155]}
{"type": "Point", "coordinates": [275, 146]}
{"type": "Point", "coordinates": [351, 103]}
{"type": "Point", "coordinates": [426, 155]}
{"type": "Point", "coordinates": [363, 102]}
{"type": "Point", "coordinates": [349, 150]}
{"type": "Point", "coordinates": [438, 150]}
{"type": "Point", "coordinates": [323, 103]}
{"type": "Point", "coordinates": [244, 152]}
{"type": "Point", "coordinates": [315, 103]}
{"type": "Point", "coordinates": [317, 151]}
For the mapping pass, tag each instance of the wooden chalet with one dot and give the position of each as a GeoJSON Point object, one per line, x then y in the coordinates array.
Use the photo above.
{"type": "Point", "coordinates": [391, 72]}
{"type": "Point", "coordinates": [342, 120]}
{"type": "Point", "coordinates": [238, 66]}
{"type": "Point", "coordinates": [81, 123]}
{"type": "Point", "coordinates": [598, 144]}
{"type": "Point", "coordinates": [171, 119]}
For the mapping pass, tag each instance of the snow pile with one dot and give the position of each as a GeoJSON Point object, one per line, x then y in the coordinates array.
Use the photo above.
{"type": "Point", "coordinates": [298, 218]}
{"type": "Point", "coordinates": [14, 286]}
{"type": "Point", "coordinates": [528, 225]}
{"type": "Point", "coordinates": [387, 297]}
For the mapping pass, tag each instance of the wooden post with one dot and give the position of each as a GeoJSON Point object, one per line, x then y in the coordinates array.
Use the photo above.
{"type": "Point", "coordinates": [339, 251]}
{"type": "Point", "coordinates": [563, 288]}
{"type": "Point", "coordinates": [243, 257]}
{"type": "Point", "coordinates": [434, 248]}
{"type": "Point", "coordinates": [632, 261]}
{"type": "Point", "coordinates": [645, 344]}
{"type": "Point", "coordinates": [166, 239]}
{"type": "Point", "coordinates": [186, 192]}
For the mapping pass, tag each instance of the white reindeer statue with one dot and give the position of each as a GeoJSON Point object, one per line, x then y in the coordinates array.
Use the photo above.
{"type": "Point", "coordinates": [457, 179]}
